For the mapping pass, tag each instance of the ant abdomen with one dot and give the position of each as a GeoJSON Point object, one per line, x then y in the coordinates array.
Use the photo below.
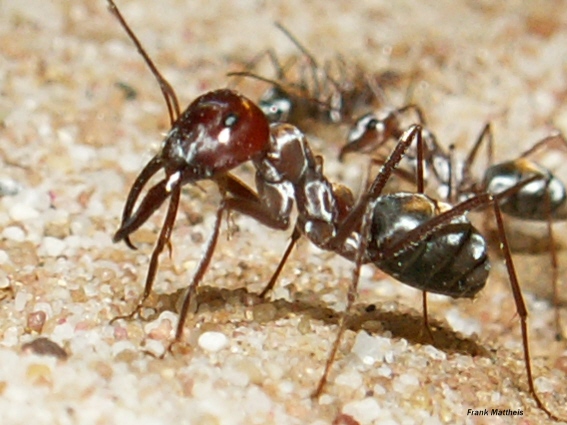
{"type": "Point", "coordinates": [451, 261]}
{"type": "Point", "coordinates": [538, 200]}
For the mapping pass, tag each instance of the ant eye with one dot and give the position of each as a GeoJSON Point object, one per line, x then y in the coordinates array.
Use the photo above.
{"type": "Point", "coordinates": [371, 124]}
{"type": "Point", "coordinates": [230, 120]}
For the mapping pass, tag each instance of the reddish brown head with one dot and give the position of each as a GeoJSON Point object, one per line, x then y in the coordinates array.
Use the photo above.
{"type": "Point", "coordinates": [217, 132]}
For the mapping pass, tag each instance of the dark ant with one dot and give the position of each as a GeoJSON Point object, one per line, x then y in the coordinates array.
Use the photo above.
{"type": "Point", "coordinates": [404, 233]}
{"type": "Point", "coordinates": [543, 200]}
{"type": "Point", "coordinates": [328, 93]}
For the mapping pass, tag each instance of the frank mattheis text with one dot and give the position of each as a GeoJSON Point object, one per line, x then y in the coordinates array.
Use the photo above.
{"type": "Point", "coordinates": [494, 412]}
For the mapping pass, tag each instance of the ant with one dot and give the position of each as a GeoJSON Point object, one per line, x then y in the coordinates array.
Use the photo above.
{"type": "Point", "coordinates": [405, 233]}
{"type": "Point", "coordinates": [328, 93]}
{"type": "Point", "coordinates": [543, 200]}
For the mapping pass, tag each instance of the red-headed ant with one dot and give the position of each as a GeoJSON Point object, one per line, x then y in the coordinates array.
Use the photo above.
{"type": "Point", "coordinates": [405, 234]}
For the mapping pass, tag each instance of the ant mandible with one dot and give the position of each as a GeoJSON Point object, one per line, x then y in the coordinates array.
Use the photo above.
{"type": "Point", "coordinates": [222, 129]}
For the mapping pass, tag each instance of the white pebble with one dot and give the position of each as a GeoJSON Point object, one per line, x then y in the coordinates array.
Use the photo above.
{"type": "Point", "coordinates": [434, 353]}
{"type": "Point", "coordinates": [120, 346]}
{"type": "Point", "coordinates": [9, 187]}
{"type": "Point", "coordinates": [20, 212]}
{"type": "Point", "coordinates": [4, 280]}
{"type": "Point", "coordinates": [3, 257]}
{"type": "Point", "coordinates": [21, 300]}
{"type": "Point", "coordinates": [461, 324]}
{"type": "Point", "coordinates": [286, 387]}
{"type": "Point", "coordinates": [370, 349]}
{"type": "Point", "coordinates": [14, 233]}
{"type": "Point", "coordinates": [404, 381]}
{"type": "Point", "coordinates": [544, 385]}
{"type": "Point", "coordinates": [351, 379]}
{"type": "Point", "coordinates": [212, 341]}
{"type": "Point", "coordinates": [364, 411]}
{"type": "Point", "coordinates": [384, 371]}
{"type": "Point", "coordinates": [63, 332]}
{"type": "Point", "coordinates": [235, 377]}
{"type": "Point", "coordinates": [52, 247]}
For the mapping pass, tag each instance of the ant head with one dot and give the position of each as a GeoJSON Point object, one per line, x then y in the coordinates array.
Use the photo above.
{"type": "Point", "coordinates": [371, 131]}
{"type": "Point", "coordinates": [276, 104]}
{"type": "Point", "coordinates": [217, 132]}
{"type": "Point", "coordinates": [362, 135]}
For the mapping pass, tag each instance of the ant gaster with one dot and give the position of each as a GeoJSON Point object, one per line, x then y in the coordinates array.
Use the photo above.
{"type": "Point", "coordinates": [203, 144]}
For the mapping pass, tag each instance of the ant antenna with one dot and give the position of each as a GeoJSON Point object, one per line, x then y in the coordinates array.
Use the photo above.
{"type": "Point", "coordinates": [166, 89]}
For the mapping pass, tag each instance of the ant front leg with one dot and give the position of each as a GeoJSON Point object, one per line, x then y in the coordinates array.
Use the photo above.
{"type": "Point", "coordinates": [154, 197]}
{"type": "Point", "coordinates": [197, 276]}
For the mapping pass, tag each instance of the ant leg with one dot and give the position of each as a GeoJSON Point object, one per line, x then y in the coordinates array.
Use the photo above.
{"type": "Point", "coordinates": [199, 273]}
{"type": "Point", "coordinates": [555, 141]}
{"type": "Point", "coordinates": [249, 203]}
{"type": "Point", "coordinates": [405, 175]}
{"type": "Point", "coordinates": [162, 241]}
{"type": "Point", "coordinates": [310, 58]}
{"type": "Point", "coordinates": [463, 185]}
{"type": "Point", "coordinates": [554, 271]}
{"type": "Point", "coordinates": [485, 134]}
{"type": "Point", "coordinates": [279, 68]}
{"type": "Point", "coordinates": [416, 109]}
{"type": "Point", "coordinates": [520, 306]}
{"type": "Point", "coordinates": [294, 238]}
{"type": "Point", "coordinates": [351, 297]}
{"type": "Point", "coordinates": [421, 189]}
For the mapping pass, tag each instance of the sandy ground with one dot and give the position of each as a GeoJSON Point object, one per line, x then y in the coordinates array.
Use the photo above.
{"type": "Point", "coordinates": [81, 115]}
